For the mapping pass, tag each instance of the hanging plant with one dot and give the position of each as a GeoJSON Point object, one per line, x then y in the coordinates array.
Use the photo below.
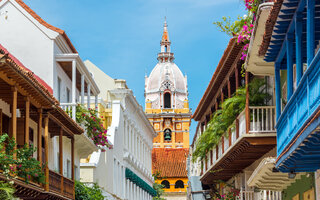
{"type": "Point", "coordinates": [223, 119]}
{"type": "Point", "coordinates": [93, 125]}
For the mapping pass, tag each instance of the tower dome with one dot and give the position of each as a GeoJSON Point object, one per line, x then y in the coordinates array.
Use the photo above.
{"type": "Point", "coordinates": [166, 79]}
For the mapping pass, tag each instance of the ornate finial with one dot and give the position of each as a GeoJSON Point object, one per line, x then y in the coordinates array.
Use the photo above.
{"type": "Point", "coordinates": [165, 21]}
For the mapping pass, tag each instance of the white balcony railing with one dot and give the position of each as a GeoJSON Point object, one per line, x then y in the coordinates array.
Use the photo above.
{"type": "Point", "coordinates": [246, 195]}
{"type": "Point", "coordinates": [262, 195]}
{"type": "Point", "coordinates": [70, 108]}
{"type": "Point", "coordinates": [263, 119]}
{"type": "Point", "coordinates": [270, 195]}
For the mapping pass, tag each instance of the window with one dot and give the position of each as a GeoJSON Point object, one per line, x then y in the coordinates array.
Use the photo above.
{"type": "Point", "coordinates": [179, 184]}
{"type": "Point", "coordinates": [68, 95]}
{"type": "Point", "coordinates": [165, 48]}
{"type": "Point", "coordinates": [167, 134]}
{"type": "Point", "coordinates": [76, 172]}
{"type": "Point", "coordinates": [59, 89]}
{"type": "Point", "coordinates": [68, 169]}
{"type": "Point", "coordinates": [31, 136]}
{"type": "Point", "coordinates": [167, 100]}
{"type": "Point", "coordinates": [165, 184]}
{"type": "Point", "coordinates": [58, 161]}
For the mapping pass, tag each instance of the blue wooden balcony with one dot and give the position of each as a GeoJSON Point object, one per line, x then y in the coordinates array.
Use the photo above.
{"type": "Point", "coordinates": [294, 43]}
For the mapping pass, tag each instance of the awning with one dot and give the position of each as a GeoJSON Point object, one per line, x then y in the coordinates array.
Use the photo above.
{"type": "Point", "coordinates": [139, 182]}
{"type": "Point", "coordinates": [264, 177]}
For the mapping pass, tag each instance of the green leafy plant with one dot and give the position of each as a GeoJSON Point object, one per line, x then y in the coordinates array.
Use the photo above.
{"type": "Point", "coordinates": [6, 191]}
{"type": "Point", "coordinates": [85, 192]}
{"type": "Point", "coordinates": [242, 27]}
{"type": "Point", "coordinates": [158, 187]}
{"type": "Point", "coordinates": [223, 119]}
{"type": "Point", "coordinates": [24, 166]}
{"type": "Point", "coordinates": [232, 28]}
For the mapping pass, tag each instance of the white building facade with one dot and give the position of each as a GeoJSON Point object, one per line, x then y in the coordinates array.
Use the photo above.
{"type": "Point", "coordinates": [123, 172]}
{"type": "Point", "coordinates": [48, 52]}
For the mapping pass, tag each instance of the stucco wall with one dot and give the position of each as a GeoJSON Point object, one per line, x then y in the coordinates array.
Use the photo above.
{"type": "Point", "coordinates": [299, 187]}
{"type": "Point", "coordinates": [26, 41]}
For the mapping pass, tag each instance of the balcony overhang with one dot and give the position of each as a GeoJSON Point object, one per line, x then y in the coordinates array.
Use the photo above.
{"type": "Point", "coordinates": [249, 148]}
{"type": "Point", "coordinates": [65, 61]}
{"type": "Point", "coordinates": [255, 63]}
{"type": "Point", "coordinates": [302, 154]}
{"type": "Point", "coordinates": [84, 145]}
{"type": "Point", "coordinates": [32, 191]}
{"type": "Point", "coordinates": [263, 177]}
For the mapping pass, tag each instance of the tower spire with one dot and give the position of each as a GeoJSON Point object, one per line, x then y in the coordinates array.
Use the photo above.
{"type": "Point", "coordinates": [165, 55]}
{"type": "Point", "coordinates": [165, 35]}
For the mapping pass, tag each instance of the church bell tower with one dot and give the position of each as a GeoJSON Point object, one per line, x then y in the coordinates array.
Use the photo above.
{"type": "Point", "coordinates": [167, 108]}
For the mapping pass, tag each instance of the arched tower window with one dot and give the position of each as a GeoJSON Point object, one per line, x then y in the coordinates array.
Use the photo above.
{"type": "Point", "coordinates": [167, 134]}
{"type": "Point", "coordinates": [165, 48]}
{"type": "Point", "coordinates": [179, 184]}
{"type": "Point", "coordinates": [167, 100]}
{"type": "Point", "coordinates": [165, 184]}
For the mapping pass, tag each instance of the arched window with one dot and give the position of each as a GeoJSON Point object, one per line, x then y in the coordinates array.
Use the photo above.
{"type": "Point", "coordinates": [179, 184]}
{"type": "Point", "coordinates": [165, 48]}
{"type": "Point", "coordinates": [165, 184]}
{"type": "Point", "coordinates": [167, 100]}
{"type": "Point", "coordinates": [167, 134]}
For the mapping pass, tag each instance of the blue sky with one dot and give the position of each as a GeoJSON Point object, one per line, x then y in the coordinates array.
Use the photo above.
{"type": "Point", "coordinates": [122, 37]}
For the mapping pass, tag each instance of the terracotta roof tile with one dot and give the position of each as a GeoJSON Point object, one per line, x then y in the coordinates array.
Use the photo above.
{"type": "Point", "coordinates": [170, 162]}
{"type": "Point", "coordinates": [271, 21]}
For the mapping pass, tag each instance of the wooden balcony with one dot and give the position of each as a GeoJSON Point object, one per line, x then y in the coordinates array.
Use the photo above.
{"type": "Point", "coordinates": [61, 185]}
{"type": "Point", "coordinates": [239, 149]}
{"type": "Point", "coordinates": [298, 125]}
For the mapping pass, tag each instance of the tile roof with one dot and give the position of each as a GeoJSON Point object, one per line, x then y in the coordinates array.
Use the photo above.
{"type": "Point", "coordinates": [271, 21]}
{"type": "Point", "coordinates": [170, 163]}
{"type": "Point", "coordinates": [44, 23]}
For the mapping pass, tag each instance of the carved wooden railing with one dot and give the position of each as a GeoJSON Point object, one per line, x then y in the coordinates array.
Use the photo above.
{"type": "Point", "coordinates": [54, 181]}
{"type": "Point", "coordinates": [67, 189]}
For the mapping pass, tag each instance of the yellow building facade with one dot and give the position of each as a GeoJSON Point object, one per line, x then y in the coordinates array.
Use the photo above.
{"type": "Point", "coordinates": [167, 108]}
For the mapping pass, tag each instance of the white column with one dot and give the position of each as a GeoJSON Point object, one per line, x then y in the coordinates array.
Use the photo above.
{"type": "Point", "coordinates": [96, 102]}
{"type": "Point", "coordinates": [129, 136]}
{"type": "Point", "coordinates": [73, 92]}
{"type": "Point", "coordinates": [139, 148]}
{"type": "Point", "coordinates": [124, 182]}
{"type": "Point", "coordinates": [135, 192]}
{"type": "Point", "coordinates": [127, 189]}
{"type": "Point", "coordinates": [130, 190]}
{"type": "Point", "coordinates": [89, 95]}
{"type": "Point", "coordinates": [82, 89]}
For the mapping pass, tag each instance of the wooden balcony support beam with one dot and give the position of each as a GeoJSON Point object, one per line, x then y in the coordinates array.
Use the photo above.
{"type": "Point", "coordinates": [26, 121]}
{"type": "Point", "coordinates": [236, 74]}
{"type": "Point", "coordinates": [61, 157]}
{"type": "Point", "coordinates": [72, 164]}
{"type": "Point", "coordinates": [39, 139]}
{"type": "Point", "coordinates": [247, 110]}
{"type": "Point", "coordinates": [46, 147]}
{"type": "Point", "coordinates": [14, 115]}
{"type": "Point", "coordinates": [1, 122]}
